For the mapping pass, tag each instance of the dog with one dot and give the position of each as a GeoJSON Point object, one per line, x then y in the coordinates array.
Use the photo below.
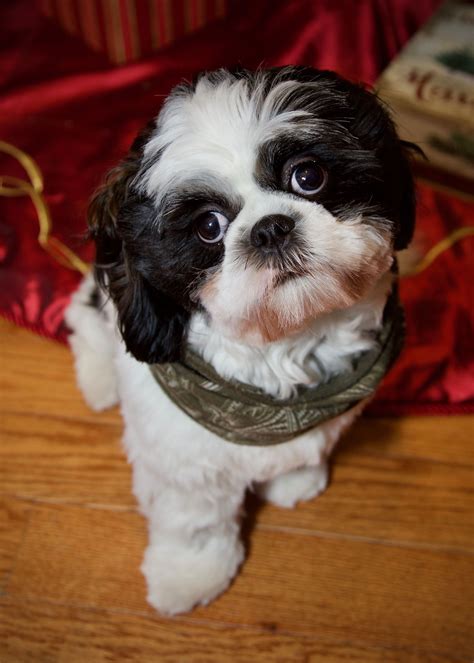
{"type": "Point", "coordinates": [245, 263]}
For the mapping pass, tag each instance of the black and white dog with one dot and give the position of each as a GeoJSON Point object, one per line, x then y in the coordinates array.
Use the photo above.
{"type": "Point", "coordinates": [254, 222]}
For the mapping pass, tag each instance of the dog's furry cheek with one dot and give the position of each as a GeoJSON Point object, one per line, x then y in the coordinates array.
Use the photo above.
{"type": "Point", "coordinates": [354, 283]}
{"type": "Point", "coordinates": [289, 308]}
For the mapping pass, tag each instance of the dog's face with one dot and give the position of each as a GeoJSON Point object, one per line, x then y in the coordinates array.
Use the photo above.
{"type": "Point", "coordinates": [263, 199]}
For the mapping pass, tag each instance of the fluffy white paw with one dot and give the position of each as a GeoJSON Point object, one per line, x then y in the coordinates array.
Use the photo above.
{"type": "Point", "coordinates": [95, 375]}
{"type": "Point", "coordinates": [296, 486]}
{"type": "Point", "coordinates": [181, 576]}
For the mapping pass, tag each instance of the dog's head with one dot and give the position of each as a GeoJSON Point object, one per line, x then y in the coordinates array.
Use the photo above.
{"type": "Point", "coordinates": [264, 199]}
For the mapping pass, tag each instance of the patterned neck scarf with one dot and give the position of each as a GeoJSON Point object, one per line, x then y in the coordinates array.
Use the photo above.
{"type": "Point", "coordinates": [243, 414]}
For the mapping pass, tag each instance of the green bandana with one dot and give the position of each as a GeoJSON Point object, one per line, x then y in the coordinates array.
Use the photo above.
{"type": "Point", "coordinates": [243, 414]}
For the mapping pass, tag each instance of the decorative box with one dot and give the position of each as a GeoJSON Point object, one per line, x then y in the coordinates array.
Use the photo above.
{"type": "Point", "coordinates": [430, 89]}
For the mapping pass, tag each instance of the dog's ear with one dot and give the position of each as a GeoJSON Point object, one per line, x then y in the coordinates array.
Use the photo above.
{"type": "Point", "coordinates": [406, 197]}
{"type": "Point", "coordinates": [151, 323]}
{"type": "Point", "coordinates": [375, 127]}
{"type": "Point", "coordinates": [400, 189]}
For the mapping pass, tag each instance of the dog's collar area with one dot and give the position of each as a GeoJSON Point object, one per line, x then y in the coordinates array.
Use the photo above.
{"type": "Point", "coordinates": [243, 414]}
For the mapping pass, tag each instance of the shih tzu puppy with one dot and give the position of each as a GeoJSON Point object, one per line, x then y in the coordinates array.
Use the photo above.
{"type": "Point", "coordinates": [242, 307]}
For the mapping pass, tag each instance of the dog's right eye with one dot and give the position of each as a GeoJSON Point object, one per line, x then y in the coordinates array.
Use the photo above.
{"type": "Point", "coordinates": [211, 227]}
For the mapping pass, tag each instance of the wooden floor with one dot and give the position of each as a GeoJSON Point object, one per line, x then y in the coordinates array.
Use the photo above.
{"type": "Point", "coordinates": [380, 568]}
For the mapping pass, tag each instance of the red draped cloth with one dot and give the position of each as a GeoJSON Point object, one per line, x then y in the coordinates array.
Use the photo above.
{"type": "Point", "coordinates": [77, 114]}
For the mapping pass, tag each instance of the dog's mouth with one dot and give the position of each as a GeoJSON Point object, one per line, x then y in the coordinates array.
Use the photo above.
{"type": "Point", "coordinates": [289, 274]}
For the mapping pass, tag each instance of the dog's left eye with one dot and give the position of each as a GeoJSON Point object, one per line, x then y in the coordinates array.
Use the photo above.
{"type": "Point", "coordinates": [306, 177]}
{"type": "Point", "coordinates": [211, 227]}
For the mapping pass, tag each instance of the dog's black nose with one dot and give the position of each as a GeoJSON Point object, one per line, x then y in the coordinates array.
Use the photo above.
{"type": "Point", "coordinates": [271, 232]}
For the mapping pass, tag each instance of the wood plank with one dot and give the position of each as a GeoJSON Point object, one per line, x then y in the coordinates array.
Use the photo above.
{"type": "Point", "coordinates": [61, 460]}
{"type": "Point", "coordinates": [445, 439]}
{"type": "Point", "coordinates": [82, 556]}
{"type": "Point", "coordinates": [389, 499]}
{"type": "Point", "coordinates": [384, 596]}
{"type": "Point", "coordinates": [13, 522]}
{"type": "Point", "coordinates": [38, 377]}
{"type": "Point", "coordinates": [384, 498]}
{"type": "Point", "coordinates": [45, 633]}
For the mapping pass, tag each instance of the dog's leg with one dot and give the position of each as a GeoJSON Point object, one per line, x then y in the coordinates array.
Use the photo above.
{"type": "Point", "coordinates": [92, 346]}
{"type": "Point", "coordinates": [194, 549]}
{"type": "Point", "coordinates": [298, 485]}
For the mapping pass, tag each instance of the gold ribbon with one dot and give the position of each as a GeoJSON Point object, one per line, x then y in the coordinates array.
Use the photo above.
{"type": "Point", "coordinates": [439, 248]}
{"type": "Point", "coordinates": [14, 187]}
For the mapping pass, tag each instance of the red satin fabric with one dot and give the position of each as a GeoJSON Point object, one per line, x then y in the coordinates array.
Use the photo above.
{"type": "Point", "coordinates": [435, 373]}
{"type": "Point", "coordinates": [76, 114]}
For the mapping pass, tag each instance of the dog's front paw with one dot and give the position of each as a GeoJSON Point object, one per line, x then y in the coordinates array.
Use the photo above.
{"type": "Point", "coordinates": [296, 486]}
{"type": "Point", "coordinates": [181, 576]}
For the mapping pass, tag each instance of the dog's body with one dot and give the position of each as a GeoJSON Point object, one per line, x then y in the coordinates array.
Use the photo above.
{"type": "Point", "coordinates": [224, 233]}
